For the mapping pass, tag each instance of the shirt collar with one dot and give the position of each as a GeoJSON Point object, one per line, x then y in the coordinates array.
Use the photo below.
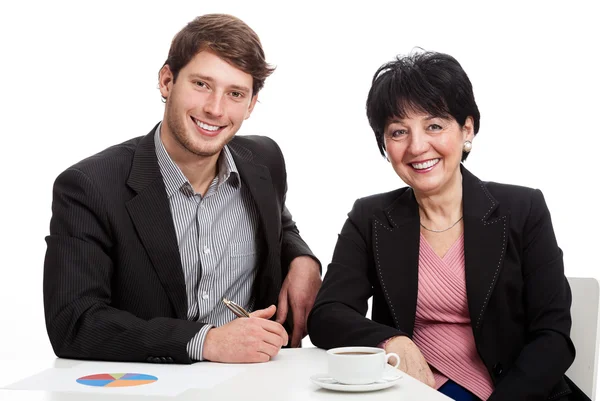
{"type": "Point", "coordinates": [174, 178]}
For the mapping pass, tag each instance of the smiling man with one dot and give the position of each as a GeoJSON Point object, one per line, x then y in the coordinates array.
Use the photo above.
{"type": "Point", "coordinates": [147, 237]}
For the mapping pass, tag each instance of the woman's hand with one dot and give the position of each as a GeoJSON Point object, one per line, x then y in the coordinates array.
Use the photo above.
{"type": "Point", "coordinates": [412, 361]}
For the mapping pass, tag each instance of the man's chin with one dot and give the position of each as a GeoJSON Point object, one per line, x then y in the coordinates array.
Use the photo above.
{"type": "Point", "coordinates": [205, 150]}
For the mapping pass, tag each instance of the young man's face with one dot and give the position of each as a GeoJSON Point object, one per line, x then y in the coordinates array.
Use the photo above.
{"type": "Point", "coordinates": [206, 105]}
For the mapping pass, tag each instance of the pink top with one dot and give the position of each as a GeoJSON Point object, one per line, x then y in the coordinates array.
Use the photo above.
{"type": "Point", "coordinates": [442, 326]}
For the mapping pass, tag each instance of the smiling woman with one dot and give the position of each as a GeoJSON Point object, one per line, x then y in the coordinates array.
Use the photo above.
{"type": "Point", "coordinates": [466, 276]}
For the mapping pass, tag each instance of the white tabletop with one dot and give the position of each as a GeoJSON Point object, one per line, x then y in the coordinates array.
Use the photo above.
{"type": "Point", "coordinates": [286, 377]}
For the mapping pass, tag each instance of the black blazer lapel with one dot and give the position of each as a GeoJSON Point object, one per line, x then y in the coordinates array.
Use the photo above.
{"type": "Point", "coordinates": [396, 251]}
{"type": "Point", "coordinates": [396, 237]}
{"type": "Point", "coordinates": [485, 244]}
{"type": "Point", "coordinates": [258, 179]}
{"type": "Point", "coordinates": [151, 215]}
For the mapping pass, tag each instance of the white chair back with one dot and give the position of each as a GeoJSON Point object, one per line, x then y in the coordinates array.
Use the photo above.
{"type": "Point", "coordinates": [584, 333]}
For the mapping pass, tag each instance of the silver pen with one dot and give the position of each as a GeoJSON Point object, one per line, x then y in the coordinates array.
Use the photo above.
{"type": "Point", "coordinates": [235, 308]}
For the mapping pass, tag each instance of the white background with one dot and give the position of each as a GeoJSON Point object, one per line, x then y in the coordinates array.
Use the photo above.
{"type": "Point", "coordinates": [78, 77]}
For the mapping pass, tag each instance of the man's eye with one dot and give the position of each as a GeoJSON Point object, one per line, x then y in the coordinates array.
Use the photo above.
{"type": "Point", "coordinates": [237, 94]}
{"type": "Point", "coordinates": [201, 84]}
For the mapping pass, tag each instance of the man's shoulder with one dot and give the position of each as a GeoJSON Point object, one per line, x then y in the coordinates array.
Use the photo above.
{"type": "Point", "coordinates": [255, 144]}
{"type": "Point", "coordinates": [114, 158]}
{"type": "Point", "coordinates": [258, 149]}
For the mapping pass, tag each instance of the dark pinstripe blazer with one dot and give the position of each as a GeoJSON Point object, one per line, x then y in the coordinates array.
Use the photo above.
{"type": "Point", "coordinates": [518, 296]}
{"type": "Point", "coordinates": [113, 282]}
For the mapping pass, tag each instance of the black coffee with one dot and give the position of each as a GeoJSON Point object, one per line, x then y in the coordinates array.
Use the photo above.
{"type": "Point", "coordinates": [354, 353]}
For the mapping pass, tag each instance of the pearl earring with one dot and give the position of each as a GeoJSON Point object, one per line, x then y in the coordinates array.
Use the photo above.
{"type": "Point", "coordinates": [467, 146]}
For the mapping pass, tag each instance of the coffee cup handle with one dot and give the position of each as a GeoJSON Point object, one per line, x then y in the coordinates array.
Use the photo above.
{"type": "Point", "coordinates": [392, 355]}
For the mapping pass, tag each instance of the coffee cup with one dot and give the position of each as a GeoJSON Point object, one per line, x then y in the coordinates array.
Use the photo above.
{"type": "Point", "coordinates": [358, 365]}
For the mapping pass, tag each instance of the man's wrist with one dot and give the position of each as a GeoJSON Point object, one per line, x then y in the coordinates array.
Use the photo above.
{"type": "Point", "coordinates": [195, 347]}
{"type": "Point", "coordinates": [306, 260]}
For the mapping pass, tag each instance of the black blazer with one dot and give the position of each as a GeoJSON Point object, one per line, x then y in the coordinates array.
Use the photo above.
{"type": "Point", "coordinates": [519, 299]}
{"type": "Point", "coordinates": [113, 281]}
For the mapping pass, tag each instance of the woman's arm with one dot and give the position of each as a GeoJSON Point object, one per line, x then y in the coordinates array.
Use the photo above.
{"type": "Point", "coordinates": [548, 350]}
{"type": "Point", "coordinates": [338, 316]}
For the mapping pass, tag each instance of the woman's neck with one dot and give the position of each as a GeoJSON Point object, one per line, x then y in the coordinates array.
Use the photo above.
{"type": "Point", "coordinates": [444, 207]}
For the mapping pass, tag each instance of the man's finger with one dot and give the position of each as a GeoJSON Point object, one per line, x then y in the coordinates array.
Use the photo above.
{"type": "Point", "coordinates": [299, 327]}
{"type": "Point", "coordinates": [282, 308]}
{"type": "Point", "coordinates": [264, 313]}
{"type": "Point", "coordinates": [275, 328]}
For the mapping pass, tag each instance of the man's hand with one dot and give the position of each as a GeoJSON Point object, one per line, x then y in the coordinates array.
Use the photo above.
{"type": "Point", "coordinates": [243, 340]}
{"type": "Point", "coordinates": [299, 291]}
{"type": "Point", "coordinates": [411, 359]}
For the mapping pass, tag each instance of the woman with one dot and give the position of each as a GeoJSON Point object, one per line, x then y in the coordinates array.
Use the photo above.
{"type": "Point", "coordinates": [466, 276]}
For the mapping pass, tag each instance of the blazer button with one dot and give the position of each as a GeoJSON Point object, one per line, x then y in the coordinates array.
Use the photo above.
{"type": "Point", "coordinates": [149, 359]}
{"type": "Point", "coordinates": [163, 359]}
{"type": "Point", "coordinates": [498, 369]}
{"type": "Point", "coordinates": [169, 359]}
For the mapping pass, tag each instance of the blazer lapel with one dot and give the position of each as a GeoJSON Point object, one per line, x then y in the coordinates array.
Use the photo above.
{"type": "Point", "coordinates": [258, 180]}
{"type": "Point", "coordinates": [151, 215]}
{"type": "Point", "coordinates": [396, 251]}
{"type": "Point", "coordinates": [485, 244]}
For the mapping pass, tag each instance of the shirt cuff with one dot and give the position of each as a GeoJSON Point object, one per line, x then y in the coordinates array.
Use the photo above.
{"type": "Point", "coordinates": [196, 345]}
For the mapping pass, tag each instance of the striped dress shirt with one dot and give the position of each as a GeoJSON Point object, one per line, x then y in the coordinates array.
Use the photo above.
{"type": "Point", "coordinates": [218, 238]}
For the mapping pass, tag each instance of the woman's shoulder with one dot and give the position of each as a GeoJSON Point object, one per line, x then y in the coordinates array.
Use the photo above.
{"type": "Point", "coordinates": [521, 202]}
{"type": "Point", "coordinates": [508, 192]}
{"type": "Point", "coordinates": [383, 200]}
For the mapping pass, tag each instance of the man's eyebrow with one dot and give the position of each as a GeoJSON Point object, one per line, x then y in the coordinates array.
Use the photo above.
{"type": "Point", "coordinates": [202, 77]}
{"type": "Point", "coordinates": [240, 88]}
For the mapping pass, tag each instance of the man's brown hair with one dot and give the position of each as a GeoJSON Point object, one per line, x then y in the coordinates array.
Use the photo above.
{"type": "Point", "coordinates": [229, 38]}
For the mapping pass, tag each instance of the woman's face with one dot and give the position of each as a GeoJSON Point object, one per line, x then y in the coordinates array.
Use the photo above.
{"type": "Point", "coordinates": [425, 150]}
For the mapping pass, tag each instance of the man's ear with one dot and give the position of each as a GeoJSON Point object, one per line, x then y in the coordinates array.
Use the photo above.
{"type": "Point", "coordinates": [165, 81]}
{"type": "Point", "coordinates": [251, 106]}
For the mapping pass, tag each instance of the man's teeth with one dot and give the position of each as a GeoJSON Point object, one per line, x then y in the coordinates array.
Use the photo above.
{"type": "Point", "coordinates": [424, 165]}
{"type": "Point", "coordinates": [206, 126]}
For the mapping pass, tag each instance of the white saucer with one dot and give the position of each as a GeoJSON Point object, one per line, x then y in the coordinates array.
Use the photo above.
{"type": "Point", "coordinates": [323, 380]}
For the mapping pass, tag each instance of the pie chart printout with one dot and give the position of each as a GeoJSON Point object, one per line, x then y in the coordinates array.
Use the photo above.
{"type": "Point", "coordinates": [117, 379]}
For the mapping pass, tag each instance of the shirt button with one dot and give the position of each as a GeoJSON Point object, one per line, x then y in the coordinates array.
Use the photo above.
{"type": "Point", "coordinates": [206, 250]}
{"type": "Point", "coordinates": [205, 295]}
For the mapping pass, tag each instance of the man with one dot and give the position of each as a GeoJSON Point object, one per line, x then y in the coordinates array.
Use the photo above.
{"type": "Point", "coordinates": [147, 237]}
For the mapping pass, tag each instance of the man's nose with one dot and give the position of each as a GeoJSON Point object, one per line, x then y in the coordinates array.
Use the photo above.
{"type": "Point", "coordinates": [214, 105]}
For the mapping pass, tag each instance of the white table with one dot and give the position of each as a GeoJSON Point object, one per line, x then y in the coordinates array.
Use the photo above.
{"type": "Point", "coordinates": [286, 377]}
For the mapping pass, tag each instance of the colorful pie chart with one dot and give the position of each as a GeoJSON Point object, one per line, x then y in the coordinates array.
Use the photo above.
{"type": "Point", "coordinates": [117, 379]}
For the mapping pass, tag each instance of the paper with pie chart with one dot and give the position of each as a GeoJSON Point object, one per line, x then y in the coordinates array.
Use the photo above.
{"type": "Point", "coordinates": [129, 378]}
{"type": "Point", "coordinates": [117, 380]}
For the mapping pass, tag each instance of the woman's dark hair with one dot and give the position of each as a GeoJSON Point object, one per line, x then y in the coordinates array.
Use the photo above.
{"type": "Point", "coordinates": [428, 82]}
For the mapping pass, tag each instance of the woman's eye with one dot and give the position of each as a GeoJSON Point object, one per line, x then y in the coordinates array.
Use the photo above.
{"type": "Point", "coordinates": [397, 134]}
{"type": "Point", "coordinates": [435, 127]}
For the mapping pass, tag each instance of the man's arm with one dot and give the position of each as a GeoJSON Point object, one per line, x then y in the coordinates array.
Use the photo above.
{"type": "Point", "coordinates": [80, 320]}
{"type": "Point", "coordinates": [300, 267]}
{"type": "Point", "coordinates": [78, 271]}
